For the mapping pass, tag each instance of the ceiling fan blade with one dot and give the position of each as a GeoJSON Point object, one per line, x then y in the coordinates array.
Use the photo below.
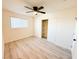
{"type": "Point", "coordinates": [41, 12]}
{"type": "Point", "coordinates": [40, 8]}
{"type": "Point", "coordinates": [29, 11]}
{"type": "Point", "coordinates": [28, 7]}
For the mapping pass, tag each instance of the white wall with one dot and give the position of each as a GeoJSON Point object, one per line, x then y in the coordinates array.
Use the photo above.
{"type": "Point", "coordinates": [60, 26]}
{"type": "Point", "coordinates": [10, 34]}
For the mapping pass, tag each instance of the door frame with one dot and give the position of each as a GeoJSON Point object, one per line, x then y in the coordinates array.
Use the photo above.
{"type": "Point", "coordinates": [42, 28]}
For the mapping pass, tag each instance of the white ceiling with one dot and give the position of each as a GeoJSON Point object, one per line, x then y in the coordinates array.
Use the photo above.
{"type": "Point", "coordinates": [49, 5]}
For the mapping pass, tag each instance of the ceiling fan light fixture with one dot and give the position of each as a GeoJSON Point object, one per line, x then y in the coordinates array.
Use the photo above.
{"type": "Point", "coordinates": [35, 13]}
{"type": "Point", "coordinates": [36, 10]}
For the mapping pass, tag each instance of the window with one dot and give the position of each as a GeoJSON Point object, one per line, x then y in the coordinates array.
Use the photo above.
{"type": "Point", "coordinates": [18, 23]}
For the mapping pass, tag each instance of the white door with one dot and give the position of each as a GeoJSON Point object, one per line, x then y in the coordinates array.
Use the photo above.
{"type": "Point", "coordinates": [74, 45]}
{"type": "Point", "coordinates": [74, 48]}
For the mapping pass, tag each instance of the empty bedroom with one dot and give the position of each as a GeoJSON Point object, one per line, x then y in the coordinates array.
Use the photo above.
{"type": "Point", "coordinates": [39, 29]}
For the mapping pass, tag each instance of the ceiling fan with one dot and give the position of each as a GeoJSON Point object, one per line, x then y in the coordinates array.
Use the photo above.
{"type": "Point", "coordinates": [35, 9]}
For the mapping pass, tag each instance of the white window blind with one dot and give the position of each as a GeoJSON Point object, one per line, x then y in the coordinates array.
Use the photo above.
{"type": "Point", "coordinates": [18, 23]}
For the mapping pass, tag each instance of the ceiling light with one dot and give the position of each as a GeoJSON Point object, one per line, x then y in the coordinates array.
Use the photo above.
{"type": "Point", "coordinates": [35, 13]}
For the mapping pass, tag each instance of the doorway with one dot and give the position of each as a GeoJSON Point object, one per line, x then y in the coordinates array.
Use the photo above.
{"type": "Point", "coordinates": [44, 28]}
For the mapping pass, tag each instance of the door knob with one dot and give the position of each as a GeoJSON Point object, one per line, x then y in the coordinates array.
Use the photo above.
{"type": "Point", "coordinates": [74, 39]}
